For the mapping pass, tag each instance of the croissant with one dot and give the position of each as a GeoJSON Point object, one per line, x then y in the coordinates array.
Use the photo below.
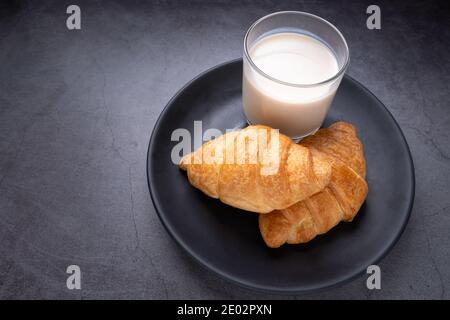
{"type": "Point", "coordinates": [256, 169]}
{"type": "Point", "coordinates": [339, 201]}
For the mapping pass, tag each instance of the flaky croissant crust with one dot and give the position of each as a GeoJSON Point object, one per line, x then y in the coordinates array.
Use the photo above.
{"type": "Point", "coordinates": [339, 201]}
{"type": "Point", "coordinates": [250, 179]}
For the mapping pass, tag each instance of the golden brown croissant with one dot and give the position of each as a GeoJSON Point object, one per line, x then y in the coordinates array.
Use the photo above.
{"type": "Point", "coordinates": [339, 201]}
{"type": "Point", "coordinates": [256, 169]}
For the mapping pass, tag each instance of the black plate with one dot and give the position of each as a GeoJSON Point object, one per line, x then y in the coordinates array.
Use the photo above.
{"type": "Point", "coordinates": [227, 240]}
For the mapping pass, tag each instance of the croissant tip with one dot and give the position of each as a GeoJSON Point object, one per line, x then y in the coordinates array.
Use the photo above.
{"type": "Point", "coordinates": [342, 125]}
{"type": "Point", "coordinates": [183, 163]}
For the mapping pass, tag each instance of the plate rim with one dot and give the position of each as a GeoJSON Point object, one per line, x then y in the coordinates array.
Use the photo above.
{"type": "Point", "coordinates": [253, 286]}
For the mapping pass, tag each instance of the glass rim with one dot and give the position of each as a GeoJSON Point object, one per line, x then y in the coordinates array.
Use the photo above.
{"type": "Point", "coordinates": [298, 85]}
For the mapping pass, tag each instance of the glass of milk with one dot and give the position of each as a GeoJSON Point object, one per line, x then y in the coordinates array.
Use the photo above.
{"type": "Point", "coordinates": [293, 64]}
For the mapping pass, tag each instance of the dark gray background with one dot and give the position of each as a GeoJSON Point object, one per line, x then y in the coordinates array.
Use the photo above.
{"type": "Point", "coordinates": [76, 113]}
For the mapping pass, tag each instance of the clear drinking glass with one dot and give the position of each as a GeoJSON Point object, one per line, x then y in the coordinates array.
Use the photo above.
{"type": "Point", "coordinates": [296, 109]}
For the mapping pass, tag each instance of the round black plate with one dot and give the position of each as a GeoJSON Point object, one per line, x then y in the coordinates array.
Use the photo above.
{"type": "Point", "coordinates": [227, 240]}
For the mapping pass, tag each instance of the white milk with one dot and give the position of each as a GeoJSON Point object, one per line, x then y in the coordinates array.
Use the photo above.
{"type": "Point", "coordinates": [295, 59]}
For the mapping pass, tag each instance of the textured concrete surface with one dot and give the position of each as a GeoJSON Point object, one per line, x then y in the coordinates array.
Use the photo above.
{"type": "Point", "coordinates": [77, 109]}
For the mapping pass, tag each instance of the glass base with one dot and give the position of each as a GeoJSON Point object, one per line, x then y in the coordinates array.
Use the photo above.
{"type": "Point", "coordinates": [295, 139]}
